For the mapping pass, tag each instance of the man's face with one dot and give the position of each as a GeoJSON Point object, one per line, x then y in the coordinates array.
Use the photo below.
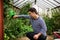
{"type": "Point", "coordinates": [32, 14]}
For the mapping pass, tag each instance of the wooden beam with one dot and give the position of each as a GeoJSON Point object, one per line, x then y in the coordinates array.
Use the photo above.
{"type": "Point", "coordinates": [1, 20]}
{"type": "Point", "coordinates": [35, 1]}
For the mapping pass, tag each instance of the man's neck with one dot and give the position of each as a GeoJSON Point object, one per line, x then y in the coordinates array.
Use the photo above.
{"type": "Point", "coordinates": [36, 17]}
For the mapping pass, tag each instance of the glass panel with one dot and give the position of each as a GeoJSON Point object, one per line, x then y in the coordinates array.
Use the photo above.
{"type": "Point", "coordinates": [32, 0]}
{"type": "Point", "coordinates": [50, 3]}
{"type": "Point", "coordinates": [15, 0]}
{"type": "Point", "coordinates": [57, 1]}
{"type": "Point", "coordinates": [53, 2]}
{"type": "Point", "coordinates": [40, 3]}
{"type": "Point", "coordinates": [22, 3]}
{"type": "Point", "coordinates": [41, 7]}
{"type": "Point", "coordinates": [17, 3]}
{"type": "Point", "coordinates": [44, 4]}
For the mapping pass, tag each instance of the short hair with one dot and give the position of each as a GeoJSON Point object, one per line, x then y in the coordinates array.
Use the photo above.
{"type": "Point", "coordinates": [33, 10]}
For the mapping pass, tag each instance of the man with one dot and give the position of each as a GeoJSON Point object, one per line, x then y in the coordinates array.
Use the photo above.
{"type": "Point", "coordinates": [38, 25]}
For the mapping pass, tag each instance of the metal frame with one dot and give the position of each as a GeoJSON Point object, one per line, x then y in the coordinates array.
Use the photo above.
{"type": "Point", "coordinates": [15, 1]}
{"type": "Point", "coordinates": [42, 5]}
{"type": "Point", "coordinates": [48, 3]}
{"type": "Point", "coordinates": [56, 7]}
{"type": "Point", "coordinates": [35, 1]}
{"type": "Point", "coordinates": [52, 2]}
{"type": "Point", "coordinates": [45, 5]}
{"type": "Point", "coordinates": [39, 6]}
{"type": "Point", "coordinates": [21, 3]}
{"type": "Point", "coordinates": [14, 6]}
{"type": "Point", "coordinates": [57, 2]}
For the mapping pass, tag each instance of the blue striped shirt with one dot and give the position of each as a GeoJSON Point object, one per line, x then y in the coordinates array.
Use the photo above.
{"type": "Point", "coordinates": [38, 25]}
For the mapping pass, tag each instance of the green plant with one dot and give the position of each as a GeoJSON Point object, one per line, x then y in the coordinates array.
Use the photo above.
{"type": "Point", "coordinates": [54, 22]}
{"type": "Point", "coordinates": [14, 28]}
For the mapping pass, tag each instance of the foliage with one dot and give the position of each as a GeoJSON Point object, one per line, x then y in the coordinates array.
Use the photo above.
{"type": "Point", "coordinates": [14, 28]}
{"type": "Point", "coordinates": [54, 22]}
{"type": "Point", "coordinates": [49, 23]}
{"type": "Point", "coordinates": [24, 9]}
{"type": "Point", "coordinates": [56, 18]}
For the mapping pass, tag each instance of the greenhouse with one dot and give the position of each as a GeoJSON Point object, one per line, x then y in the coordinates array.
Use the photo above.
{"type": "Point", "coordinates": [15, 22]}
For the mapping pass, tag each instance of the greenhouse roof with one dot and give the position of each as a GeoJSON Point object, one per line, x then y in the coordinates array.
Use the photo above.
{"type": "Point", "coordinates": [44, 4]}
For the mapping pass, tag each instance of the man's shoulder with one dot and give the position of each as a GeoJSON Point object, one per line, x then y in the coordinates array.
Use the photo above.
{"type": "Point", "coordinates": [41, 18]}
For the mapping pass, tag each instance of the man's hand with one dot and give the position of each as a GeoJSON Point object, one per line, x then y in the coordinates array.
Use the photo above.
{"type": "Point", "coordinates": [15, 16]}
{"type": "Point", "coordinates": [36, 36]}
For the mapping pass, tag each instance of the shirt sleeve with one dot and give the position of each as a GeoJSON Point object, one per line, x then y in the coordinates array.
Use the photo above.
{"type": "Point", "coordinates": [43, 26]}
{"type": "Point", "coordinates": [23, 16]}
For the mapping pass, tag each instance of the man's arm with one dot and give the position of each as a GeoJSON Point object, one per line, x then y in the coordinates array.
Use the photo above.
{"type": "Point", "coordinates": [43, 26]}
{"type": "Point", "coordinates": [21, 16]}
